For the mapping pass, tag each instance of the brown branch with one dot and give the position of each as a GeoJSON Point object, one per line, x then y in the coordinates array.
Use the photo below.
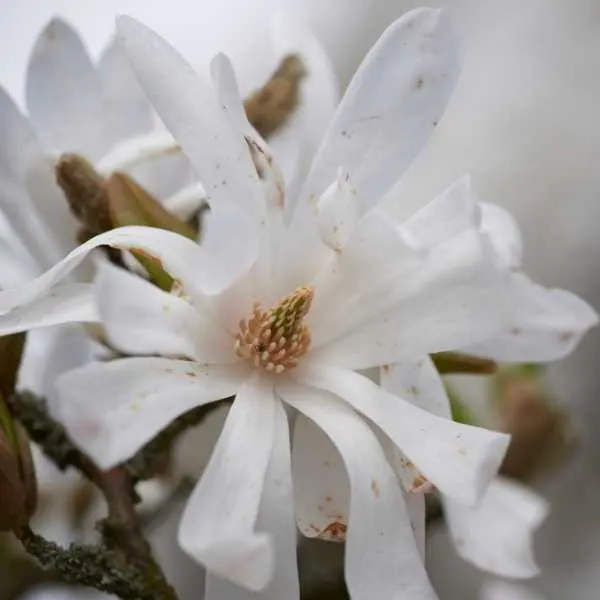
{"type": "Point", "coordinates": [93, 566]}
{"type": "Point", "coordinates": [121, 531]}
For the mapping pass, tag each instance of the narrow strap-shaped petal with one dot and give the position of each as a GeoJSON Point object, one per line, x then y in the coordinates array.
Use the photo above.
{"type": "Point", "coordinates": [17, 137]}
{"type": "Point", "coordinates": [139, 319]}
{"type": "Point", "coordinates": [382, 560]}
{"type": "Point", "coordinates": [547, 325]}
{"type": "Point", "coordinates": [357, 280]}
{"type": "Point", "coordinates": [112, 409]}
{"type": "Point", "coordinates": [70, 347]}
{"type": "Point", "coordinates": [182, 258]}
{"type": "Point", "coordinates": [270, 179]}
{"type": "Point", "coordinates": [275, 517]}
{"type": "Point", "coordinates": [497, 535]}
{"type": "Point", "coordinates": [459, 460]}
{"type": "Point", "coordinates": [391, 106]}
{"type": "Point", "coordinates": [418, 382]}
{"type": "Point", "coordinates": [218, 526]}
{"type": "Point", "coordinates": [128, 111]}
{"type": "Point", "coordinates": [337, 212]}
{"type": "Point", "coordinates": [321, 490]}
{"type": "Point", "coordinates": [186, 202]}
{"type": "Point", "coordinates": [228, 96]}
{"type": "Point", "coordinates": [448, 215]}
{"type": "Point", "coordinates": [17, 207]}
{"type": "Point", "coordinates": [454, 300]}
{"type": "Point", "coordinates": [16, 266]}
{"type": "Point", "coordinates": [504, 234]}
{"type": "Point", "coordinates": [189, 108]}
{"type": "Point", "coordinates": [415, 504]}
{"type": "Point", "coordinates": [64, 96]}
{"type": "Point", "coordinates": [66, 303]}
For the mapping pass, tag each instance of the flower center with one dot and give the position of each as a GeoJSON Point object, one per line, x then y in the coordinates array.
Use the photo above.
{"type": "Point", "coordinates": [276, 338]}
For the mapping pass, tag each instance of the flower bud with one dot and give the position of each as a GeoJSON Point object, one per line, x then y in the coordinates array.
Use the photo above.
{"type": "Point", "coordinates": [540, 431]}
{"type": "Point", "coordinates": [85, 192]}
{"type": "Point", "coordinates": [18, 487]}
{"type": "Point", "coordinates": [11, 351]}
{"type": "Point", "coordinates": [131, 204]}
{"type": "Point", "coordinates": [271, 106]}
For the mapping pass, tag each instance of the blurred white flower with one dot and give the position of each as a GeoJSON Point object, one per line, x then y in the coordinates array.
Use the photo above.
{"type": "Point", "coordinates": [73, 107]}
{"type": "Point", "coordinates": [497, 535]}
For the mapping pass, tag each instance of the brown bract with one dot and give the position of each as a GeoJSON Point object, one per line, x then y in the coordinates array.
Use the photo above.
{"type": "Point", "coordinates": [271, 106]}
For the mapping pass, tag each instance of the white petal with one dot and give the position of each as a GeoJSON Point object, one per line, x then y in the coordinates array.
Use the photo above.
{"type": "Point", "coordinates": [271, 179]}
{"type": "Point", "coordinates": [16, 265]}
{"type": "Point", "coordinates": [128, 111]}
{"type": "Point", "coordinates": [505, 590]}
{"type": "Point", "coordinates": [64, 96]}
{"type": "Point", "coordinates": [70, 347]}
{"type": "Point", "coordinates": [17, 137]}
{"type": "Point", "coordinates": [139, 319]}
{"type": "Point", "coordinates": [382, 560]}
{"type": "Point", "coordinates": [186, 202]}
{"type": "Point", "coordinates": [497, 535]}
{"type": "Point", "coordinates": [451, 213]}
{"type": "Point", "coordinates": [504, 235]}
{"type": "Point", "coordinates": [337, 212]}
{"type": "Point", "coordinates": [415, 504]}
{"type": "Point", "coordinates": [548, 324]}
{"type": "Point", "coordinates": [17, 208]}
{"type": "Point", "coordinates": [358, 280]}
{"type": "Point", "coordinates": [391, 106]}
{"type": "Point", "coordinates": [190, 110]}
{"type": "Point", "coordinates": [418, 382]}
{"type": "Point", "coordinates": [321, 489]}
{"type": "Point", "coordinates": [51, 205]}
{"type": "Point", "coordinates": [454, 300]}
{"type": "Point", "coordinates": [140, 149]}
{"type": "Point", "coordinates": [112, 409]}
{"type": "Point", "coordinates": [276, 517]}
{"type": "Point", "coordinates": [218, 526]}
{"type": "Point", "coordinates": [229, 98]}
{"type": "Point", "coordinates": [182, 258]}
{"type": "Point", "coordinates": [66, 303]}
{"type": "Point", "coordinates": [460, 460]}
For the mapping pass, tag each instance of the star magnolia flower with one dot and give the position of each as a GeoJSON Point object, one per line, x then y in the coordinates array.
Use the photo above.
{"type": "Point", "coordinates": [285, 314]}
